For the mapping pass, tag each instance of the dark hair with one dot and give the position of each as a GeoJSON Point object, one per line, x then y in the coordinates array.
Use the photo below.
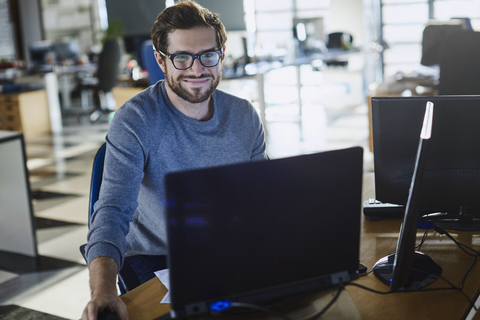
{"type": "Point", "coordinates": [185, 14]}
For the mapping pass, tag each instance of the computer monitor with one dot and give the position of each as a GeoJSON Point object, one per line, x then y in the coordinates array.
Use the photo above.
{"type": "Point", "coordinates": [407, 269]}
{"type": "Point", "coordinates": [259, 231]}
{"type": "Point", "coordinates": [451, 182]}
{"type": "Point", "coordinates": [39, 51]}
{"type": "Point", "coordinates": [65, 51]}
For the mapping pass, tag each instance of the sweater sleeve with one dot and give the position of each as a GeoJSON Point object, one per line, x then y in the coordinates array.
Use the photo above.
{"type": "Point", "coordinates": [123, 173]}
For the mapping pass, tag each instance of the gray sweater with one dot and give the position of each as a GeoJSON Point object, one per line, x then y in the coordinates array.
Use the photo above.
{"type": "Point", "coordinates": [149, 138]}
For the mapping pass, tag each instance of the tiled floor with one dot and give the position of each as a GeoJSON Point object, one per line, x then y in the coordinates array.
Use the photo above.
{"type": "Point", "coordinates": [334, 116]}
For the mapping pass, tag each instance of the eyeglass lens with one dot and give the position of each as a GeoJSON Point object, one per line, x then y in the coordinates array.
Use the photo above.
{"type": "Point", "coordinates": [207, 59]}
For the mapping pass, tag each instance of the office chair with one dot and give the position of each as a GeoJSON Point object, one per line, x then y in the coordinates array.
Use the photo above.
{"type": "Point", "coordinates": [148, 59]}
{"type": "Point", "coordinates": [460, 64]}
{"type": "Point", "coordinates": [433, 41]}
{"type": "Point", "coordinates": [127, 279]}
{"type": "Point", "coordinates": [105, 80]}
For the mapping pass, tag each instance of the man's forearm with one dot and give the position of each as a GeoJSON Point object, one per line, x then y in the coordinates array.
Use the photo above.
{"type": "Point", "coordinates": [103, 276]}
{"type": "Point", "coordinates": [104, 295]}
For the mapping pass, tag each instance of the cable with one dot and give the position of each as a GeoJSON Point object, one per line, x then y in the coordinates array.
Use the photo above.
{"type": "Point", "coordinates": [419, 245]}
{"type": "Point", "coordinates": [460, 245]}
{"type": "Point", "coordinates": [260, 308]}
{"type": "Point", "coordinates": [473, 253]}
{"type": "Point", "coordinates": [365, 274]}
{"type": "Point", "coordinates": [472, 303]}
{"type": "Point", "coordinates": [334, 299]}
{"type": "Point", "coordinates": [367, 288]}
{"type": "Point", "coordinates": [282, 316]}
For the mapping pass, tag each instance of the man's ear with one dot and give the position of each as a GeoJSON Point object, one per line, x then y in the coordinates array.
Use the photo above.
{"type": "Point", "coordinates": [223, 54]}
{"type": "Point", "coordinates": [160, 60]}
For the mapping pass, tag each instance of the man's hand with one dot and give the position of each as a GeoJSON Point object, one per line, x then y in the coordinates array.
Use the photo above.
{"type": "Point", "coordinates": [104, 296]}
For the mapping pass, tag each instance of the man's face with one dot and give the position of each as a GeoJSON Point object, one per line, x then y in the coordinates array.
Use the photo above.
{"type": "Point", "coordinates": [197, 83]}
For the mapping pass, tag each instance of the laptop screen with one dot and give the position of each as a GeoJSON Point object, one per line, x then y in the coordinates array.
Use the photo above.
{"type": "Point", "coordinates": [256, 231]}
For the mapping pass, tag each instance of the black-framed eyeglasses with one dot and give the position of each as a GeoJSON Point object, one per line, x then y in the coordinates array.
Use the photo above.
{"type": "Point", "coordinates": [183, 61]}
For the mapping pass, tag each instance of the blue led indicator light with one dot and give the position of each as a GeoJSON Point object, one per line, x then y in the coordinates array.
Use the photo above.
{"type": "Point", "coordinates": [219, 306]}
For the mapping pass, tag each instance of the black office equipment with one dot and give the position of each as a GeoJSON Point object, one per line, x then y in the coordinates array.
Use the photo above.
{"type": "Point", "coordinates": [433, 41]}
{"type": "Point", "coordinates": [137, 17]}
{"type": "Point", "coordinates": [65, 51]}
{"type": "Point", "coordinates": [460, 64]}
{"type": "Point", "coordinates": [38, 53]}
{"type": "Point", "coordinates": [108, 316]}
{"type": "Point", "coordinates": [407, 269]}
{"type": "Point", "coordinates": [339, 40]}
{"type": "Point", "coordinates": [103, 82]}
{"type": "Point", "coordinates": [375, 210]}
{"type": "Point", "coordinates": [258, 231]}
{"type": "Point", "coordinates": [451, 182]}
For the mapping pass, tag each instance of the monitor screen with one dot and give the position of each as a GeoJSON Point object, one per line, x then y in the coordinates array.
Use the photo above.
{"type": "Point", "coordinates": [232, 13]}
{"type": "Point", "coordinates": [39, 51]}
{"type": "Point", "coordinates": [65, 51]}
{"type": "Point", "coordinates": [451, 181]}
{"type": "Point", "coordinates": [136, 16]}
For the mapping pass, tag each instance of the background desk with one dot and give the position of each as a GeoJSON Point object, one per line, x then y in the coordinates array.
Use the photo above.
{"type": "Point", "coordinates": [27, 112]}
{"type": "Point", "coordinates": [378, 238]}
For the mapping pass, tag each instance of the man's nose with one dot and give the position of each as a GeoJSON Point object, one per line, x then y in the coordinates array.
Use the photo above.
{"type": "Point", "coordinates": [197, 66]}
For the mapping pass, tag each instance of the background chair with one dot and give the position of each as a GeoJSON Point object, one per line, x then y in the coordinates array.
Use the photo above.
{"type": "Point", "coordinates": [460, 64]}
{"type": "Point", "coordinates": [148, 59]}
{"type": "Point", "coordinates": [127, 279]}
{"type": "Point", "coordinates": [102, 84]}
{"type": "Point", "coordinates": [433, 41]}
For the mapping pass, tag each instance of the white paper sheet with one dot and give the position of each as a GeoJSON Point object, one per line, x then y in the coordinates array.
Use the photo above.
{"type": "Point", "coordinates": [164, 277]}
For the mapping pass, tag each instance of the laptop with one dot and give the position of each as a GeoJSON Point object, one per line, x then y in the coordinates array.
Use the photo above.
{"type": "Point", "coordinates": [259, 231]}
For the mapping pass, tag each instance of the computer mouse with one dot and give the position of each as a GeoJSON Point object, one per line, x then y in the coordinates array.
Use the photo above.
{"type": "Point", "coordinates": [108, 316]}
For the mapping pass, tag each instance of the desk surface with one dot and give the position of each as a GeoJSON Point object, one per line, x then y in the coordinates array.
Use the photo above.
{"type": "Point", "coordinates": [378, 238]}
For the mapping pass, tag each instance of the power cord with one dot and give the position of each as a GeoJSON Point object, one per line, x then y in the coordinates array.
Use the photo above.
{"type": "Point", "coordinates": [259, 308]}
{"type": "Point", "coordinates": [282, 316]}
{"type": "Point", "coordinates": [466, 249]}
{"type": "Point", "coordinates": [419, 245]}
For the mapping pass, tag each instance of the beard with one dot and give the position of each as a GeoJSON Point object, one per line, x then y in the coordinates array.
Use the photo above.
{"type": "Point", "coordinates": [195, 94]}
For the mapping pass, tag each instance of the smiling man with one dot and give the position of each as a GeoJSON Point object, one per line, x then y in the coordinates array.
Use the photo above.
{"type": "Point", "coordinates": [178, 124]}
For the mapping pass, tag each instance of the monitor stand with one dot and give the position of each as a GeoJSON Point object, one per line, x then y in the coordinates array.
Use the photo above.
{"type": "Point", "coordinates": [423, 272]}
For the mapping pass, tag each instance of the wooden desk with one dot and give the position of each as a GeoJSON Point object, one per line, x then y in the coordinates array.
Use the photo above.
{"type": "Point", "coordinates": [378, 238]}
{"type": "Point", "coordinates": [143, 302]}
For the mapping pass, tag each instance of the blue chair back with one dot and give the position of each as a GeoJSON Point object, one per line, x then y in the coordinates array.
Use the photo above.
{"type": "Point", "coordinates": [148, 58]}
{"type": "Point", "coordinates": [96, 181]}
